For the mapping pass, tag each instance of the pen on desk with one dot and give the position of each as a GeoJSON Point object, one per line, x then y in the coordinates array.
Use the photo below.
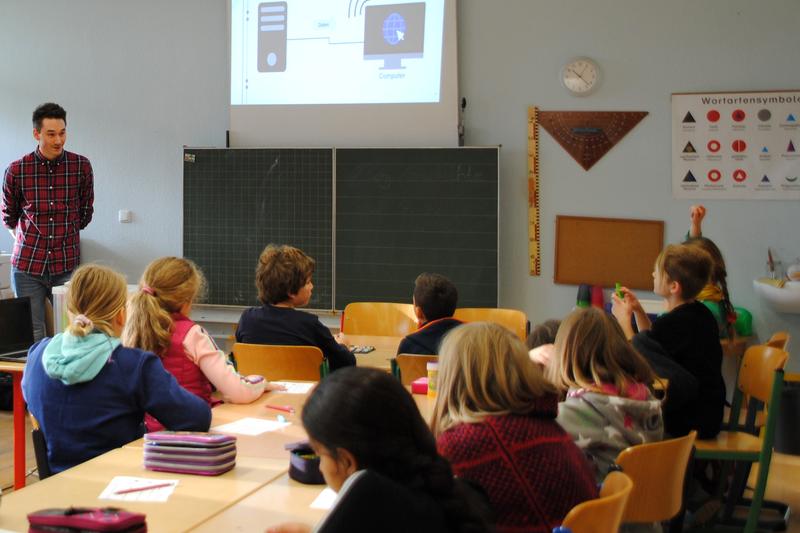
{"type": "Point", "coordinates": [148, 487]}
{"type": "Point", "coordinates": [284, 408]}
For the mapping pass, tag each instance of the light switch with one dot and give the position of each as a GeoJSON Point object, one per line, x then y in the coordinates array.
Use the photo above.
{"type": "Point", "coordinates": [124, 216]}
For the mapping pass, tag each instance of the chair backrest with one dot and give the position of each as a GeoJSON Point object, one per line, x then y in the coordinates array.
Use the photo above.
{"type": "Point", "coordinates": [513, 319]}
{"type": "Point", "coordinates": [39, 449]}
{"type": "Point", "coordinates": [379, 318]}
{"type": "Point", "coordinates": [302, 363]}
{"type": "Point", "coordinates": [779, 339]}
{"type": "Point", "coordinates": [602, 514]}
{"type": "Point", "coordinates": [657, 470]}
{"type": "Point", "coordinates": [757, 372]}
{"type": "Point", "coordinates": [413, 366]}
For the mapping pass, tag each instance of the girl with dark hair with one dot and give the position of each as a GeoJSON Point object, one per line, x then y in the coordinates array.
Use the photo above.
{"type": "Point", "coordinates": [715, 294]}
{"type": "Point", "coordinates": [377, 452]}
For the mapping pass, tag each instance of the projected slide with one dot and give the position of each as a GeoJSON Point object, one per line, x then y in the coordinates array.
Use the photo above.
{"type": "Point", "coordinates": [336, 52]}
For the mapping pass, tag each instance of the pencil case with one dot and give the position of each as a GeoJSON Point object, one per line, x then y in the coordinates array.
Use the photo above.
{"type": "Point", "coordinates": [304, 464]}
{"type": "Point", "coordinates": [189, 452]}
{"type": "Point", "coordinates": [88, 519]}
{"type": "Point", "coordinates": [197, 439]}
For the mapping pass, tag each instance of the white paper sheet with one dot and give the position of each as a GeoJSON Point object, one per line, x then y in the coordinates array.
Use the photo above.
{"type": "Point", "coordinates": [251, 426]}
{"type": "Point", "coordinates": [294, 388]}
{"type": "Point", "coordinates": [121, 483]}
{"type": "Point", "coordinates": [325, 500]}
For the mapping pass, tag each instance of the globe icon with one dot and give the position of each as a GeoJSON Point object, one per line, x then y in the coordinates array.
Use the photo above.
{"type": "Point", "coordinates": [394, 28]}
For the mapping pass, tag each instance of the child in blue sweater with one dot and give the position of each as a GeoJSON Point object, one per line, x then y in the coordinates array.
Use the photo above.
{"type": "Point", "coordinates": [88, 392]}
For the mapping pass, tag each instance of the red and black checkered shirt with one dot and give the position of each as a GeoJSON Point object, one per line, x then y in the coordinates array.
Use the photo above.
{"type": "Point", "coordinates": [48, 202]}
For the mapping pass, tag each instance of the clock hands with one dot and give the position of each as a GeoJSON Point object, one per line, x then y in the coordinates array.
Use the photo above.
{"type": "Point", "coordinates": [573, 71]}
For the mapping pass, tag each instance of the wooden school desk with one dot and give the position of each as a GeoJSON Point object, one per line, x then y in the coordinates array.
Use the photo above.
{"type": "Point", "coordinates": [16, 370]}
{"type": "Point", "coordinates": [385, 350]}
{"type": "Point", "coordinates": [282, 500]}
{"type": "Point", "coordinates": [195, 499]}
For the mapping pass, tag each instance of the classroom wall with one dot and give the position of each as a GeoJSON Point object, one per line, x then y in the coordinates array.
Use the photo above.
{"type": "Point", "coordinates": [647, 50]}
{"type": "Point", "coordinates": [140, 80]}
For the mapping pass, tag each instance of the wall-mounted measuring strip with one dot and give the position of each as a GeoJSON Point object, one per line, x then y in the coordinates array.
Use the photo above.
{"type": "Point", "coordinates": [534, 242]}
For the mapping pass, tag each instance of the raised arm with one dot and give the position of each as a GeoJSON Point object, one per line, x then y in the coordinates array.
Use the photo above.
{"type": "Point", "coordinates": [696, 215]}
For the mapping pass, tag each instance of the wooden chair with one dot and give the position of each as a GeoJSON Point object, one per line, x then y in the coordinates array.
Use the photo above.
{"type": "Point", "coordinates": [513, 319]}
{"type": "Point", "coordinates": [760, 378]}
{"type": "Point", "coordinates": [658, 471]}
{"type": "Point", "coordinates": [301, 363]}
{"type": "Point", "coordinates": [408, 367]}
{"type": "Point", "coordinates": [602, 514]}
{"type": "Point", "coordinates": [379, 318]}
{"type": "Point", "coordinates": [779, 339]}
{"type": "Point", "coordinates": [40, 449]}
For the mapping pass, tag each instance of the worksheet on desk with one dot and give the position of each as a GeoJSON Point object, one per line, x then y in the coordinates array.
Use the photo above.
{"type": "Point", "coordinates": [293, 387]}
{"type": "Point", "coordinates": [251, 426]}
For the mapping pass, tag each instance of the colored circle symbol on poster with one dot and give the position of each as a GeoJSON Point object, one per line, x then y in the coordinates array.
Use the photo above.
{"type": "Point", "coordinates": [713, 115]}
{"type": "Point", "coordinates": [738, 115]}
{"type": "Point", "coordinates": [713, 146]}
{"type": "Point", "coordinates": [739, 145]}
{"type": "Point", "coordinates": [739, 175]}
{"type": "Point", "coordinates": [714, 175]}
{"type": "Point", "coordinates": [764, 115]}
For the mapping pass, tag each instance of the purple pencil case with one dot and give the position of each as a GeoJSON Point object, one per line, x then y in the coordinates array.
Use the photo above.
{"type": "Point", "coordinates": [196, 439]}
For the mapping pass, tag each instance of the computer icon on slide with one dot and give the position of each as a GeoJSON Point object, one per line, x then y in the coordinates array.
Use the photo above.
{"type": "Point", "coordinates": [272, 36]}
{"type": "Point", "coordinates": [394, 32]}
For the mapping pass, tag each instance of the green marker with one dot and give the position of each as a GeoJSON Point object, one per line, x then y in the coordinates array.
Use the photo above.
{"type": "Point", "coordinates": [618, 289]}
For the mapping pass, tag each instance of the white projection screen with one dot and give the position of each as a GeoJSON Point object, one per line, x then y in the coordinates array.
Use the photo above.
{"type": "Point", "coordinates": [343, 73]}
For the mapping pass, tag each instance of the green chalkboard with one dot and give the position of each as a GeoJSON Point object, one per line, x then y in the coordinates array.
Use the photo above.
{"type": "Point", "coordinates": [398, 212]}
{"type": "Point", "coordinates": [236, 201]}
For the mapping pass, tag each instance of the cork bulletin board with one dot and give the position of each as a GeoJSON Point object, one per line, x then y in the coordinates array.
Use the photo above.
{"type": "Point", "coordinates": [602, 251]}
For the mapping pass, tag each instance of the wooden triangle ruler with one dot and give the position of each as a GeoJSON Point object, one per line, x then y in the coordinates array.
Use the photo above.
{"type": "Point", "coordinates": [588, 135]}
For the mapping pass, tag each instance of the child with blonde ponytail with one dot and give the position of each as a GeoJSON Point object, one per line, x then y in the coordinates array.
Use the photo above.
{"type": "Point", "coordinates": [159, 322]}
{"type": "Point", "coordinates": [88, 392]}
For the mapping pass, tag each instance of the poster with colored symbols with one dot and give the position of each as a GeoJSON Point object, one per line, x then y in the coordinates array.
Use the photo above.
{"type": "Point", "coordinates": [743, 146]}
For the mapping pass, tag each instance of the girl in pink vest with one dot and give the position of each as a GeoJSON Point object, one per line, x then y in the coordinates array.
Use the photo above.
{"type": "Point", "coordinates": [159, 322]}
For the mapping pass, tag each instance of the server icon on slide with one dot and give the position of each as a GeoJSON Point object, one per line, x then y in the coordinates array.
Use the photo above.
{"type": "Point", "coordinates": [272, 36]}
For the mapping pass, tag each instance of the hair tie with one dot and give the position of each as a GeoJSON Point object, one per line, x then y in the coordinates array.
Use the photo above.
{"type": "Point", "coordinates": [83, 320]}
{"type": "Point", "coordinates": [149, 290]}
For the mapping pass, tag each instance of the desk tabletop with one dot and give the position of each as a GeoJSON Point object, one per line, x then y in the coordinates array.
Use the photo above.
{"type": "Point", "coordinates": [283, 500]}
{"type": "Point", "coordinates": [9, 366]}
{"type": "Point", "coordinates": [195, 500]}
{"type": "Point", "coordinates": [385, 350]}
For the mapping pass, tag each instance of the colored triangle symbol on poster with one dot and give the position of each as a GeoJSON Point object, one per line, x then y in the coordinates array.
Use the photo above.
{"type": "Point", "coordinates": [790, 148]}
{"type": "Point", "coordinates": [764, 150]}
{"type": "Point", "coordinates": [689, 149]}
{"type": "Point", "coordinates": [791, 118]}
{"type": "Point", "coordinates": [689, 177]}
{"type": "Point", "coordinates": [765, 179]}
{"type": "Point", "coordinates": [588, 135]}
{"type": "Point", "coordinates": [689, 117]}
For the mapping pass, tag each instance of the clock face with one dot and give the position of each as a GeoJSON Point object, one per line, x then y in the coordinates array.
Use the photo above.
{"type": "Point", "coordinates": [580, 76]}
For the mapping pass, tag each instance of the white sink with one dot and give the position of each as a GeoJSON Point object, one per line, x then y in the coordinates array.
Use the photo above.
{"type": "Point", "coordinates": [785, 299]}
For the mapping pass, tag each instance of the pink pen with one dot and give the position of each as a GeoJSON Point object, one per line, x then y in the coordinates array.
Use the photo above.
{"type": "Point", "coordinates": [284, 408]}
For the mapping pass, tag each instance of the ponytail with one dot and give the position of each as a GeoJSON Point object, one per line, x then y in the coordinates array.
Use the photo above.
{"type": "Point", "coordinates": [95, 296]}
{"type": "Point", "coordinates": [167, 284]}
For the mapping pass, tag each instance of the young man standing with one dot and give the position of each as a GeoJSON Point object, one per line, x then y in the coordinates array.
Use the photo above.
{"type": "Point", "coordinates": [47, 199]}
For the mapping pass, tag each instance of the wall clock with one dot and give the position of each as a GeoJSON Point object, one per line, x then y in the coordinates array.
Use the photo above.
{"type": "Point", "coordinates": [580, 76]}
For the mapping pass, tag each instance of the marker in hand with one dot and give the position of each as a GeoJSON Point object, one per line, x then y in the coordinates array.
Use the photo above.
{"type": "Point", "coordinates": [618, 290]}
